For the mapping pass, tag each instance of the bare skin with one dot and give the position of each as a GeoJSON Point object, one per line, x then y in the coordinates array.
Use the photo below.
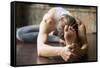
{"type": "Point", "coordinates": [47, 26]}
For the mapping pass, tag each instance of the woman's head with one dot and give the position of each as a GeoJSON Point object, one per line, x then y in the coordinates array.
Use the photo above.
{"type": "Point", "coordinates": [67, 20]}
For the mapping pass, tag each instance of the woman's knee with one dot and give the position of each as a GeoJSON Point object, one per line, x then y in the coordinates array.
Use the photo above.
{"type": "Point", "coordinates": [19, 34]}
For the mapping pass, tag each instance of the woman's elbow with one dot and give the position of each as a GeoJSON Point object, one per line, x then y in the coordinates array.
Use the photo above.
{"type": "Point", "coordinates": [38, 49]}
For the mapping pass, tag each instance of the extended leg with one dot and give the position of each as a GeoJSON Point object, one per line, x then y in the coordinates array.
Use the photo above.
{"type": "Point", "coordinates": [30, 33]}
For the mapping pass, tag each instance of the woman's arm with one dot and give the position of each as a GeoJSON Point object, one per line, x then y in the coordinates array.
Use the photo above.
{"type": "Point", "coordinates": [82, 33]}
{"type": "Point", "coordinates": [45, 49]}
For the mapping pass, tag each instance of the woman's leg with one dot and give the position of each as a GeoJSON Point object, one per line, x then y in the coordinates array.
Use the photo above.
{"type": "Point", "coordinates": [30, 33]}
{"type": "Point", "coordinates": [53, 38]}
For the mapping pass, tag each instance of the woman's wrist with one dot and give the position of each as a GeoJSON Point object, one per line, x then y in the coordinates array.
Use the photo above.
{"type": "Point", "coordinates": [63, 50]}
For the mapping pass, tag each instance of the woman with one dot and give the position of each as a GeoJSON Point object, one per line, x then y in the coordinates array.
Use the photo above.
{"type": "Point", "coordinates": [64, 28]}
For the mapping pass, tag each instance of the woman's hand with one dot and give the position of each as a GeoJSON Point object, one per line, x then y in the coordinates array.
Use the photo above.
{"type": "Point", "coordinates": [76, 51]}
{"type": "Point", "coordinates": [67, 55]}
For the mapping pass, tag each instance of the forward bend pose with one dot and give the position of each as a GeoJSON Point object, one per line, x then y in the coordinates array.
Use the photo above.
{"type": "Point", "coordinates": [58, 22]}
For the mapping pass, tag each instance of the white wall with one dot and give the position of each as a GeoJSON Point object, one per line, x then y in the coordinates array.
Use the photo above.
{"type": "Point", "coordinates": [5, 34]}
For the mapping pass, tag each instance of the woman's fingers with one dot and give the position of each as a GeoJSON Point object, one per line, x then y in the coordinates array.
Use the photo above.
{"type": "Point", "coordinates": [69, 56]}
{"type": "Point", "coordinates": [66, 55]}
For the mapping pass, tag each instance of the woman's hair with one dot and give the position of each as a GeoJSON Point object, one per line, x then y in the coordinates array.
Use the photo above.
{"type": "Point", "coordinates": [68, 20]}
{"type": "Point", "coordinates": [71, 21]}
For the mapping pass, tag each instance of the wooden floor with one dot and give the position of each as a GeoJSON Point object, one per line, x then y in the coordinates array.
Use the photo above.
{"type": "Point", "coordinates": [26, 53]}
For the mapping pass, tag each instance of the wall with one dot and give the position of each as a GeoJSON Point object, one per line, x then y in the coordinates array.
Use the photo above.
{"type": "Point", "coordinates": [28, 14]}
